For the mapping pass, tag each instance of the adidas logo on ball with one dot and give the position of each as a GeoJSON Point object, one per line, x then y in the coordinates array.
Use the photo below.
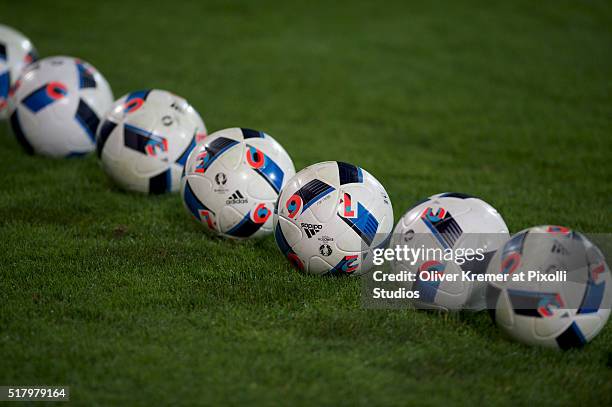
{"type": "Point", "coordinates": [311, 229]}
{"type": "Point", "coordinates": [236, 198]}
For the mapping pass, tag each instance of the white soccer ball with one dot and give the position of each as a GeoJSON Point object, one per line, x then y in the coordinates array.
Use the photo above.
{"type": "Point", "coordinates": [56, 107]}
{"type": "Point", "coordinates": [145, 139]}
{"type": "Point", "coordinates": [232, 181]}
{"type": "Point", "coordinates": [545, 310]}
{"type": "Point", "coordinates": [330, 217]}
{"type": "Point", "coordinates": [466, 231]}
{"type": "Point", "coordinates": [16, 52]}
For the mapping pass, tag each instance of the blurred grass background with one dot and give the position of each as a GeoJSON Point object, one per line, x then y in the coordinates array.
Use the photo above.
{"type": "Point", "coordinates": [123, 298]}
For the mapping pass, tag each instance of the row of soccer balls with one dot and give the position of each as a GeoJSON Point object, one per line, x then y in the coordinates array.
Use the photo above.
{"type": "Point", "coordinates": [327, 219]}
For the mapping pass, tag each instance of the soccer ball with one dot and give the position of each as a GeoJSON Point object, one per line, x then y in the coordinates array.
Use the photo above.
{"type": "Point", "coordinates": [16, 51]}
{"type": "Point", "coordinates": [145, 139]}
{"type": "Point", "coordinates": [455, 233]}
{"type": "Point", "coordinates": [55, 107]}
{"type": "Point", "coordinates": [232, 181]}
{"type": "Point", "coordinates": [540, 308]}
{"type": "Point", "coordinates": [330, 217]}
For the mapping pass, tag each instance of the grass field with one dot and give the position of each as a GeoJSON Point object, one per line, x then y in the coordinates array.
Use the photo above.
{"type": "Point", "coordinates": [123, 297]}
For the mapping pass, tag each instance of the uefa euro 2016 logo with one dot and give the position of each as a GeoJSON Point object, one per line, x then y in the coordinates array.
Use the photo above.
{"type": "Point", "coordinates": [348, 209]}
{"type": "Point", "coordinates": [434, 217]}
{"type": "Point", "coordinates": [548, 303]}
{"type": "Point", "coordinates": [294, 204]}
{"type": "Point", "coordinates": [133, 105]}
{"type": "Point", "coordinates": [207, 217]}
{"type": "Point", "coordinates": [155, 145]}
{"type": "Point", "coordinates": [350, 263]}
{"type": "Point", "coordinates": [347, 265]}
{"type": "Point", "coordinates": [510, 262]}
{"type": "Point", "coordinates": [202, 160]}
{"type": "Point", "coordinates": [255, 157]}
{"type": "Point", "coordinates": [261, 214]}
{"type": "Point", "coordinates": [558, 230]}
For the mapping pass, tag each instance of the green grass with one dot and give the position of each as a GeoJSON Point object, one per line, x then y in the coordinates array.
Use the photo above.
{"type": "Point", "coordinates": [123, 297]}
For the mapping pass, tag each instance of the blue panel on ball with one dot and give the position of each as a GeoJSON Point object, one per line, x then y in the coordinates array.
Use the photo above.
{"type": "Point", "coordinates": [349, 173]}
{"type": "Point", "coordinates": [281, 241]}
{"type": "Point", "coordinates": [271, 172]}
{"type": "Point", "coordinates": [86, 78]}
{"type": "Point", "coordinates": [5, 84]}
{"type": "Point", "coordinates": [365, 224]}
{"type": "Point", "coordinates": [88, 119]}
{"type": "Point", "coordinates": [183, 157]}
{"type": "Point", "coordinates": [139, 94]}
{"type": "Point", "coordinates": [105, 131]}
{"type": "Point", "coordinates": [572, 337]}
{"type": "Point", "coordinates": [19, 134]}
{"type": "Point", "coordinates": [248, 133]}
{"type": "Point", "coordinates": [39, 99]}
{"type": "Point", "coordinates": [245, 228]}
{"type": "Point", "coordinates": [593, 295]}
{"type": "Point", "coordinates": [313, 191]}
{"type": "Point", "coordinates": [193, 203]}
{"type": "Point", "coordinates": [161, 183]}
